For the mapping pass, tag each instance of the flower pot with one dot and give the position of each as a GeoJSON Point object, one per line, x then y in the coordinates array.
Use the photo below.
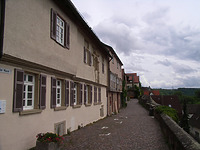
{"type": "Point", "coordinates": [47, 146]}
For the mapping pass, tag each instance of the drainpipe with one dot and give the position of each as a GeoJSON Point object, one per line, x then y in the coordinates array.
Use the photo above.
{"type": "Point", "coordinates": [2, 17]}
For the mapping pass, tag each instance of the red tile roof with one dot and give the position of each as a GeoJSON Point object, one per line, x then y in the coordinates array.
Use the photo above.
{"type": "Point", "coordinates": [155, 92]}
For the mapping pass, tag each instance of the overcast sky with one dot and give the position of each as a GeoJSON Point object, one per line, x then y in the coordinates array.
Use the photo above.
{"type": "Point", "coordinates": [157, 39]}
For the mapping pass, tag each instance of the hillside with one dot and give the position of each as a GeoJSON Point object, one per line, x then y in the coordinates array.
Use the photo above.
{"type": "Point", "coordinates": [185, 91]}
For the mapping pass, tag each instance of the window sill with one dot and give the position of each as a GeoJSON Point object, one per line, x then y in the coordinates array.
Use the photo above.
{"type": "Point", "coordinates": [76, 106]}
{"type": "Point", "coordinates": [98, 103]}
{"type": "Point", "coordinates": [60, 108]}
{"type": "Point", "coordinates": [29, 112]}
{"type": "Point", "coordinates": [87, 105]}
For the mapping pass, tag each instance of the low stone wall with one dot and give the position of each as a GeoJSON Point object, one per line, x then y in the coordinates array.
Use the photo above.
{"type": "Point", "coordinates": [177, 138]}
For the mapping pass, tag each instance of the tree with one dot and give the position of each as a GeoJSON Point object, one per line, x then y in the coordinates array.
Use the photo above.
{"type": "Point", "coordinates": [184, 120]}
{"type": "Point", "coordinates": [123, 95]}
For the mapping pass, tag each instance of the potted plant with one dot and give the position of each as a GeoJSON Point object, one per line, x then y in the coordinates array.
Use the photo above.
{"type": "Point", "coordinates": [48, 141]}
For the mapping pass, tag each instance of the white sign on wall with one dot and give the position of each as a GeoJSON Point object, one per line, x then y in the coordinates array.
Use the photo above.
{"type": "Point", "coordinates": [2, 106]}
{"type": "Point", "coordinates": [3, 70]}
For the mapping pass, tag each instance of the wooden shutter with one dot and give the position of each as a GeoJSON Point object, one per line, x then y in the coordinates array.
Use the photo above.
{"type": "Point", "coordinates": [53, 92]}
{"type": "Point", "coordinates": [90, 62]}
{"type": "Point", "coordinates": [53, 24]}
{"type": "Point", "coordinates": [90, 94]}
{"type": "Point", "coordinates": [67, 35]}
{"type": "Point", "coordinates": [85, 53]}
{"type": "Point", "coordinates": [85, 90]}
{"type": "Point", "coordinates": [18, 91]}
{"type": "Point", "coordinates": [67, 93]}
{"type": "Point", "coordinates": [80, 93]}
{"type": "Point", "coordinates": [71, 93]}
{"type": "Point", "coordinates": [99, 94]}
{"type": "Point", "coordinates": [95, 94]}
{"type": "Point", "coordinates": [42, 92]}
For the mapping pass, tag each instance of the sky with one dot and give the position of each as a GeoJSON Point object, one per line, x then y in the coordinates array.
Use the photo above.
{"type": "Point", "coordinates": [157, 39]}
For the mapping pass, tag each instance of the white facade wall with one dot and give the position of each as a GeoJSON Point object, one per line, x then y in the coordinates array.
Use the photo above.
{"type": "Point", "coordinates": [27, 38]}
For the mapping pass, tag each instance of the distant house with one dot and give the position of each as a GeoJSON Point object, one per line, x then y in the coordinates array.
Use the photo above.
{"type": "Point", "coordinates": [194, 120]}
{"type": "Point", "coordinates": [170, 101]}
{"type": "Point", "coordinates": [51, 77]}
{"type": "Point", "coordinates": [132, 81]}
{"type": "Point", "coordinates": [115, 82]}
{"type": "Point", "coordinates": [149, 91]}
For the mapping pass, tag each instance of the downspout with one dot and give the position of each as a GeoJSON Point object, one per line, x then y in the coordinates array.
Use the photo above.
{"type": "Point", "coordinates": [2, 5]}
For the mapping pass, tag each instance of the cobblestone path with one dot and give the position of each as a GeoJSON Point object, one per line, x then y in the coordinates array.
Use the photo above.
{"type": "Point", "coordinates": [131, 129]}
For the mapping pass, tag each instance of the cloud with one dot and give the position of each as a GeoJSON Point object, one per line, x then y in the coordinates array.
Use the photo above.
{"type": "Point", "coordinates": [157, 39]}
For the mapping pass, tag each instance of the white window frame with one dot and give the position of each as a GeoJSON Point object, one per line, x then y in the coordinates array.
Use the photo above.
{"type": "Point", "coordinates": [60, 30]}
{"type": "Point", "coordinates": [75, 93]}
{"type": "Point", "coordinates": [26, 92]}
{"type": "Point", "coordinates": [58, 87]}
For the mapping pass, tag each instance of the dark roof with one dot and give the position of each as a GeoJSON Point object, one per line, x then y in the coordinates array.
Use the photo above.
{"type": "Point", "coordinates": [193, 108]}
{"type": "Point", "coordinates": [168, 100]}
{"type": "Point", "coordinates": [194, 121]}
{"type": "Point", "coordinates": [68, 7]}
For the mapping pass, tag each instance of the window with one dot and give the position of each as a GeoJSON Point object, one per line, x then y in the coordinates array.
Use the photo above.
{"type": "Point", "coordinates": [59, 29]}
{"type": "Point", "coordinates": [75, 93]}
{"type": "Point", "coordinates": [59, 92]}
{"type": "Point", "coordinates": [87, 54]}
{"type": "Point", "coordinates": [28, 94]}
{"type": "Point", "coordinates": [29, 91]}
{"type": "Point", "coordinates": [87, 94]}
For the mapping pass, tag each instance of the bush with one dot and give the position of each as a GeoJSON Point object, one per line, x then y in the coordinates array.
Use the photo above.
{"type": "Point", "coordinates": [168, 111]}
{"type": "Point", "coordinates": [49, 137]}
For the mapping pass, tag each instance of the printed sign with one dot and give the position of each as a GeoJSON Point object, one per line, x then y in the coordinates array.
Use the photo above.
{"type": "Point", "coordinates": [3, 70]}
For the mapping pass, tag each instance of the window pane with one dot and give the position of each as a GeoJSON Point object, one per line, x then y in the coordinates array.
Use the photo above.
{"type": "Point", "coordinates": [30, 88]}
{"type": "Point", "coordinates": [30, 78]}
{"type": "Point", "coordinates": [29, 95]}
{"type": "Point", "coordinates": [29, 103]}
{"type": "Point", "coordinates": [58, 101]}
{"type": "Point", "coordinates": [24, 77]}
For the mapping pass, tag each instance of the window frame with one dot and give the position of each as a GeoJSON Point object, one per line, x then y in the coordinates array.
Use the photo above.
{"type": "Point", "coordinates": [59, 87]}
{"type": "Point", "coordinates": [26, 92]}
{"type": "Point", "coordinates": [53, 32]}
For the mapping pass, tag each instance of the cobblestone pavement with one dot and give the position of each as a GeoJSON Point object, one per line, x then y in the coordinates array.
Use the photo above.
{"type": "Point", "coordinates": [131, 129]}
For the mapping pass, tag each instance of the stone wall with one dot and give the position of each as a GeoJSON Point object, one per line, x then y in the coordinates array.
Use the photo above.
{"type": "Point", "coordinates": [176, 137]}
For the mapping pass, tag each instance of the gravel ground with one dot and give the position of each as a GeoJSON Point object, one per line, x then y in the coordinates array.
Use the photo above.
{"type": "Point", "coordinates": [131, 129]}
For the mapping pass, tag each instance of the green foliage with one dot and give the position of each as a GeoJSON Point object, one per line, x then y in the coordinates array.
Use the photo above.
{"type": "Point", "coordinates": [168, 111]}
{"type": "Point", "coordinates": [184, 120]}
{"type": "Point", "coordinates": [123, 95]}
{"type": "Point", "coordinates": [191, 95]}
{"type": "Point", "coordinates": [136, 91]}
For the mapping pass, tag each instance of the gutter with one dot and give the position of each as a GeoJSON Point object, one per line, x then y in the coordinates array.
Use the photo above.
{"type": "Point", "coordinates": [3, 4]}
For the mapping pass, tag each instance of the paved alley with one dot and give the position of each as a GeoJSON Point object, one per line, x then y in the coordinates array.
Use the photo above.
{"type": "Point", "coordinates": [131, 129]}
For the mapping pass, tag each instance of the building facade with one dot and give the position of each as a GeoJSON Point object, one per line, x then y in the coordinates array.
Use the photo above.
{"type": "Point", "coordinates": [132, 81]}
{"type": "Point", "coordinates": [115, 84]}
{"type": "Point", "coordinates": [50, 72]}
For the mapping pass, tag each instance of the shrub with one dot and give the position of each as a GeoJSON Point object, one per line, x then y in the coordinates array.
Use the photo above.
{"type": "Point", "coordinates": [49, 137]}
{"type": "Point", "coordinates": [168, 111]}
